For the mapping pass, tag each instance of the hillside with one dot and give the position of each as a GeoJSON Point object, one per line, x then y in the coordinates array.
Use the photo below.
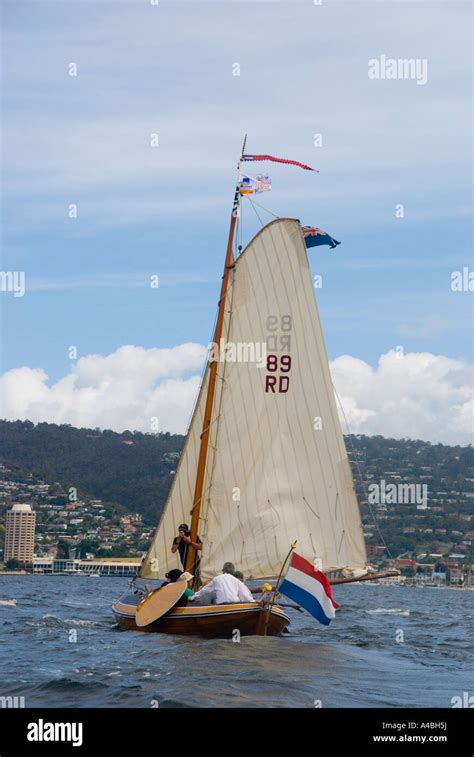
{"type": "Point", "coordinates": [131, 473]}
{"type": "Point", "coordinates": [129, 469]}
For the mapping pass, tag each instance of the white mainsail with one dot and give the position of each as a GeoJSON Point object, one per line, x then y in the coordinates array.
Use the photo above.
{"type": "Point", "coordinates": [277, 468]}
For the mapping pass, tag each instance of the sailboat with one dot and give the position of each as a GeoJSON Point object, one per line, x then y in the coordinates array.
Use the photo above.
{"type": "Point", "coordinates": [264, 461]}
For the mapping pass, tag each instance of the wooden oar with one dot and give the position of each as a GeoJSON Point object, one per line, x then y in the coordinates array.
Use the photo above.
{"type": "Point", "coordinates": [158, 602]}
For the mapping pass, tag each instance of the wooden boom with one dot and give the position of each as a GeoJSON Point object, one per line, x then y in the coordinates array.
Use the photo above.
{"type": "Point", "coordinates": [333, 581]}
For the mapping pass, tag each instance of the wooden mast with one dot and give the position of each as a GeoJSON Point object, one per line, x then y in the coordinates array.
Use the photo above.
{"type": "Point", "coordinates": [198, 490]}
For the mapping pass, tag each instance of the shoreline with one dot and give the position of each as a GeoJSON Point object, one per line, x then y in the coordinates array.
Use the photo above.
{"type": "Point", "coordinates": [108, 575]}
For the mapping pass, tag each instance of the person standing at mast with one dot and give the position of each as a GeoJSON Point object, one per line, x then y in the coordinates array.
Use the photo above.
{"type": "Point", "coordinates": [181, 544]}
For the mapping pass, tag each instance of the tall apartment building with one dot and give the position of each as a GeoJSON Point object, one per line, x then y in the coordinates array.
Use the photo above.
{"type": "Point", "coordinates": [20, 534]}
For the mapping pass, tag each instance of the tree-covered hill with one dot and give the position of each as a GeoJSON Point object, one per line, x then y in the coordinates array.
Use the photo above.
{"type": "Point", "coordinates": [130, 469]}
{"type": "Point", "coordinates": [134, 471]}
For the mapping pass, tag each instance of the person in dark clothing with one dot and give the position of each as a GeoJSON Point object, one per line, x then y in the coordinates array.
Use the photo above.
{"type": "Point", "coordinates": [177, 575]}
{"type": "Point", "coordinates": [181, 544]}
{"type": "Point", "coordinates": [173, 576]}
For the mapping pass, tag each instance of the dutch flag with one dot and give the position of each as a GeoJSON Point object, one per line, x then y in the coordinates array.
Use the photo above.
{"type": "Point", "coordinates": [309, 588]}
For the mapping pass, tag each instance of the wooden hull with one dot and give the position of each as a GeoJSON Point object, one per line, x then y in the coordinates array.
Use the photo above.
{"type": "Point", "coordinates": [210, 621]}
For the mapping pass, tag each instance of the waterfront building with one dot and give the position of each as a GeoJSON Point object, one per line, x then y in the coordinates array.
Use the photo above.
{"type": "Point", "coordinates": [20, 534]}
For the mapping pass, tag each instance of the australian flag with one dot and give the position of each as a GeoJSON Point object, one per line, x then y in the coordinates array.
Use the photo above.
{"type": "Point", "coordinates": [314, 237]}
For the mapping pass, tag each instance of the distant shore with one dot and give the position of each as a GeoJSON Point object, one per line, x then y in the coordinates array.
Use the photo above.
{"type": "Point", "coordinates": [69, 575]}
{"type": "Point", "coordinates": [107, 575]}
{"type": "Point", "coordinates": [14, 573]}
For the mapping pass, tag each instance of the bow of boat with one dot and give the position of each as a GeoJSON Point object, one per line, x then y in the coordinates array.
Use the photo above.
{"type": "Point", "coordinates": [210, 621]}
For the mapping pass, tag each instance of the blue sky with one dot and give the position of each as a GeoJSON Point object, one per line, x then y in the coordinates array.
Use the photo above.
{"type": "Point", "coordinates": [167, 69]}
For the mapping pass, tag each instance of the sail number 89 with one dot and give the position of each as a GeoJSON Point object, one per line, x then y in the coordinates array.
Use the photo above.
{"type": "Point", "coordinates": [284, 362]}
{"type": "Point", "coordinates": [278, 384]}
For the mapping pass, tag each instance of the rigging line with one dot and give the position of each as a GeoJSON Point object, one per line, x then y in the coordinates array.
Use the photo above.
{"type": "Point", "coordinates": [240, 229]}
{"type": "Point", "coordinates": [235, 235]}
{"type": "Point", "coordinates": [372, 512]}
{"type": "Point", "coordinates": [256, 212]}
{"type": "Point", "coordinates": [263, 208]}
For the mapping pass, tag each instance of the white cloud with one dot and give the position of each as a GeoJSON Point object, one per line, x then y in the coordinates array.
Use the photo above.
{"type": "Point", "coordinates": [123, 390]}
{"type": "Point", "coordinates": [418, 395]}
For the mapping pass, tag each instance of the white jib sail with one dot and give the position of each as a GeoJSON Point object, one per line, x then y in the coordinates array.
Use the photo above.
{"type": "Point", "coordinates": [277, 468]}
{"type": "Point", "coordinates": [159, 559]}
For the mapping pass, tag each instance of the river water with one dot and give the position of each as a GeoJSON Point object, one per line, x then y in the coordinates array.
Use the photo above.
{"type": "Point", "coordinates": [389, 646]}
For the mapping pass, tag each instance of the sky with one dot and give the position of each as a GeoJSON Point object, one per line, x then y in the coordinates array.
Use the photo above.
{"type": "Point", "coordinates": [90, 342]}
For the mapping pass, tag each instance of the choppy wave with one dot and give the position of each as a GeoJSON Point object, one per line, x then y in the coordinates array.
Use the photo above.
{"type": "Point", "coordinates": [54, 619]}
{"type": "Point", "coordinates": [70, 685]}
{"type": "Point", "coordinates": [390, 611]}
{"type": "Point", "coordinates": [356, 661]}
{"type": "Point", "coordinates": [8, 602]}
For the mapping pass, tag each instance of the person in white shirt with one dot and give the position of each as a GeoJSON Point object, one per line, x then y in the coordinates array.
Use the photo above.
{"type": "Point", "coordinates": [223, 590]}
